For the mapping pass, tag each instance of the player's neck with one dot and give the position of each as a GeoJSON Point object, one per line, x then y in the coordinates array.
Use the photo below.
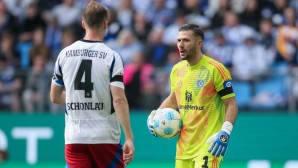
{"type": "Point", "coordinates": [196, 59]}
{"type": "Point", "coordinates": [94, 35]}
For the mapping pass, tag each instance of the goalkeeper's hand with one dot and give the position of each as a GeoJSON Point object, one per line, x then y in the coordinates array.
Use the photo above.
{"type": "Point", "coordinates": [219, 141]}
{"type": "Point", "coordinates": [150, 123]}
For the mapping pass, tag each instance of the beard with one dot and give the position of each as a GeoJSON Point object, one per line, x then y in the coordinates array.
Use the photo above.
{"type": "Point", "coordinates": [189, 55]}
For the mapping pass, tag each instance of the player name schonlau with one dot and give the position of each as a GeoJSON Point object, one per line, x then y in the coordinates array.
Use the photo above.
{"type": "Point", "coordinates": [84, 106]}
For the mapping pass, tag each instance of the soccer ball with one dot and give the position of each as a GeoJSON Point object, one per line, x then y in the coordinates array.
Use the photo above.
{"type": "Point", "coordinates": [167, 122]}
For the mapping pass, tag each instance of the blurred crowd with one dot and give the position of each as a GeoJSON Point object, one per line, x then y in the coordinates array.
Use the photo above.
{"type": "Point", "coordinates": [256, 39]}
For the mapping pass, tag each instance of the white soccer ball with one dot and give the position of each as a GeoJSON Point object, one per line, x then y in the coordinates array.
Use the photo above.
{"type": "Point", "coordinates": [167, 122]}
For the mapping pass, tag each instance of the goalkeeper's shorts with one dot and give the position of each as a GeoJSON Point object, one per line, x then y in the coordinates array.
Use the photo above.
{"type": "Point", "coordinates": [207, 161]}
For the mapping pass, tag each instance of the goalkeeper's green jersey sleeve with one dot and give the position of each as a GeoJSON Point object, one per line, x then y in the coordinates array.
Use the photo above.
{"type": "Point", "coordinates": [199, 91]}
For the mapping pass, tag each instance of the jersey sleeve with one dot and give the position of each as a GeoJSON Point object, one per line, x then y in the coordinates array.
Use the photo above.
{"type": "Point", "coordinates": [116, 72]}
{"type": "Point", "coordinates": [223, 81]}
{"type": "Point", "coordinates": [172, 80]}
{"type": "Point", "coordinates": [57, 75]}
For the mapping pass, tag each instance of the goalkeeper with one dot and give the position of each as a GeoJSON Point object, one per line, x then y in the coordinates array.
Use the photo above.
{"type": "Point", "coordinates": [201, 89]}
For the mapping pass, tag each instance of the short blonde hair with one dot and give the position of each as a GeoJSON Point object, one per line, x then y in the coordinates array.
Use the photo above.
{"type": "Point", "coordinates": [94, 14]}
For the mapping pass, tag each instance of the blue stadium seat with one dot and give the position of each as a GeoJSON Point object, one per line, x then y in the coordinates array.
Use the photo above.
{"type": "Point", "coordinates": [243, 93]}
{"type": "Point", "coordinates": [271, 93]}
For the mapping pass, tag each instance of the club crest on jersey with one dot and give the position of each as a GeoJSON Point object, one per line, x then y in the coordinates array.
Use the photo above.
{"type": "Point", "coordinates": [200, 83]}
{"type": "Point", "coordinates": [227, 84]}
{"type": "Point", "coordinates": [188, 96]}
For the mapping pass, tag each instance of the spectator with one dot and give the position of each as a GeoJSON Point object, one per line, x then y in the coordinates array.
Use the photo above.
{"type": "Point", "coordinates": [195, 13]}
{"type": "Point", "coordinates": [138, 82]}
{"type": "Point", "coordinates": [159, 15]}
{"type": "Point", "coordinates": [141, 6]}
{"type": "Point", "coordinates": [18, 7]}
{"type": "Point", "coordinates": [141, 26]}
{"type": "Point", "coordinates": [233, 30]}
{"type": "Point", "coordinates": [267, 37]}
{"type": "Point", "coordinates": [68, 37]}
{"type": "Point", "coordinates": [251, 14]}
{"type": "Point", "coordinates": [218, 17]}
{"type": "Point", "coordinates": [163, 76]}
{"type": "Point", "coordinates": [127, 45]}
{"type": "Point", "coordinates": [35, 96]}
{"type": "Point", "coordinates": [168, 37]}
{"type": "Point", "coordinates": [287, 37]}
{"type": "Point", "coordinates": [250, 61]}
{"type": "Point", "coordinates": [53, 36]}
{"type": "Point", "coordinates": [125, 13]}
{"type": "Point", "coordinates": [67, 13]}
{"type": "Point", "coordinates": [7, 20]}
{"type": "Point", "coordinates": [7, 48]}
{"type": "Point", "coordinates": [39, 45]}
{"type": "Point", "coordinates": [32, 20]}
{"type": "Point", "coordinates": [220, 50]}
{"type": "Point", "coordinates": [9, 87]}
{"type": "Point", "coordinates": [114, 27]}
{"type": "Point", "coordinates": [156, 51]}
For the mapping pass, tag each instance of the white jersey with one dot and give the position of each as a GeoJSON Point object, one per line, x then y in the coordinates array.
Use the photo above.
{"type": "Point", "coordinates": [87, 69]}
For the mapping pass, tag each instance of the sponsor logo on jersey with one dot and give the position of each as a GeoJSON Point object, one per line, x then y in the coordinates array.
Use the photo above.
{"type": "Point", "coordinates": [200, 83]}
{"type": "Point", "coordinates": [84, 106]}
{"type": "Point", "coordinates": [227, 84]}
{"type": "Point", "coordinates": [190, 107]}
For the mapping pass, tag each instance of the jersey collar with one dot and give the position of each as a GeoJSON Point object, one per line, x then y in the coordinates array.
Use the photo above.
{"type": "Point", "coordinates": [90, 41]}
{"type": "Point", "coordinates": [201, 62]}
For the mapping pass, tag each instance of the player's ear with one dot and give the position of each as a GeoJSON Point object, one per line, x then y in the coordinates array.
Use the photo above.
{"type": "Point", "coordinates": [83, 24]}
{"type": "Point", "coordinates": [199, 43]}
{"type": "Point", "coordinates": [105, 24]}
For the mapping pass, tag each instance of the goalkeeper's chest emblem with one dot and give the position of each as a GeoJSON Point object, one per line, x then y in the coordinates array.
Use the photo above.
{"type": "Point", "coordinates": [200, 83]}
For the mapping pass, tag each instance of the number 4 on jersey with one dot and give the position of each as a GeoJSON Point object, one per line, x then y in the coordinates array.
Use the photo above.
{"type": "Point", "coordinates": [87, 85]}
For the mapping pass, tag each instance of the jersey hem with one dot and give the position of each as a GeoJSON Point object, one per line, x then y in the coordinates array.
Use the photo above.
{"type": "Point", "coordinates": [92, 142]}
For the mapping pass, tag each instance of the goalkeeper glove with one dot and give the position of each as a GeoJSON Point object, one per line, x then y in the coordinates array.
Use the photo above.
{"type": "Point", "coordinates": [150, 123]}
{"type": "Point", "coordinates": [220, 140]}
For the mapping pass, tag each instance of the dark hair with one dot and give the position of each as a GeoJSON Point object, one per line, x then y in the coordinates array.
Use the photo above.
{"type": "Point", "coordinates": [197, 30]}
{"type": "Point", "coordinates": [94, 14]}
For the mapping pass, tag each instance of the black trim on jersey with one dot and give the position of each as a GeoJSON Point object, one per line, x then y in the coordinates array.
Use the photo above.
{"type": "Point", "coordinates": [112, 104]}
{"type": "Point", "coordinates": [117, 78]}
{"type": "Point", "coordinates": [59, 68]}
{"type": "Point", "coordinates": [226, 91]}
{"type": "Point", "coordinates": [91, 41]}
{"type": "Point", "coordinates": [59, 77]}
{"type": "Point", "coordinates": [112, 68]}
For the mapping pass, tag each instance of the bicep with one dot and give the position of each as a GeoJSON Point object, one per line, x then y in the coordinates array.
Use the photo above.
{"type": "Point", "coordinates": [117, 93]}
{"type": "Point", "coordinates": [230, 101]}
{"type": "Point", "coordinates": [56, 91]}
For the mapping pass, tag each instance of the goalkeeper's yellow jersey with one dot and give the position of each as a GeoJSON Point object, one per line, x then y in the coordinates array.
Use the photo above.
{"type": "Point", "coordinates": [199, 90]}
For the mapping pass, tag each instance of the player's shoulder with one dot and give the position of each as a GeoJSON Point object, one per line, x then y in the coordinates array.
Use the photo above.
{"type": "Point", "coordinates": [213, 64]}
{"type": "Point", "coordinates": [179, 65]}
{"type": "Point", "coordinates": [70, 47]}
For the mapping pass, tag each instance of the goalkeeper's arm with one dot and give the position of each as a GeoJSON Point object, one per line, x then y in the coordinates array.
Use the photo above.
{"type": "Point", "coordinates": [169, 102]}
{"type": "Point", "coordinates": [219, 141]}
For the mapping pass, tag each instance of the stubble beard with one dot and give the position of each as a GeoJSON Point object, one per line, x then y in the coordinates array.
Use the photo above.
{"type": "Point", "coordinates": [190, 55]}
